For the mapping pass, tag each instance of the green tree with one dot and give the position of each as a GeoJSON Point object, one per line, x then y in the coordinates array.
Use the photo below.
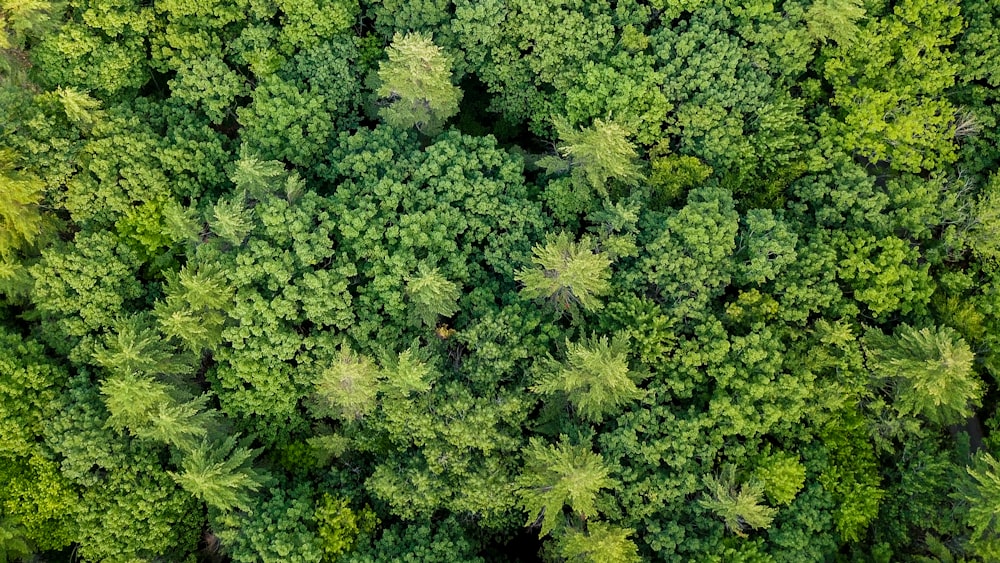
{"type": "Point", "coordinates": [347, 387]}
{"type": "Point", "coordinates": [432, 294]}
{"type": "Point", "coordinates": [931, 370]}
{"type": "Point", "coordinates": [740, 505]}
{"type": "Point", "coordinates": [14, 543]}
{"type": "Point", "coordinates": [980, 493]}
{"type": "Point", "coordinates": [600, 543]}
{"type": "Point", "coordinates": [834, 20]}
{"type": "Point", "coordinates": [416, 84]}
{"type": "Point", "coordinates": [595, 377]}
{"type": "Point", "coordinates": [560, 475]}
{"type": "Point", "coordinates": [219, 474]}
{"type": "Point", "coordinates": [567, 272]}
{"type": "Point", "coordinates": [596, 154]}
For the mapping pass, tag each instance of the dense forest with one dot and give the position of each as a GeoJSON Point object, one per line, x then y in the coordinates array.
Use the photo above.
{"type": "Point", "coordinates": [499, 280]}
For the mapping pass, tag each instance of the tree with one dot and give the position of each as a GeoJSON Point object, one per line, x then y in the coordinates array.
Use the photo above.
{"type": "Point", "coordinates": [595, 377]}
{"type": "Point", "coordinates": [739, 505]}
{"type": "Point", "coordinates": [14, 544]}
{"type": "Point", "coordinates": [567, 272]}
{"type": "Point", "coordinates": [21, 220]}
{"type": "Point", "coordinates": [220, 474]}
{"type": "Point", "coordinates": [416, 84]}
{"type": "Point", "coordinates": [432, 294]}
{"type": "Point", "coordinates": [931, 370]}
{"type": "Point", "coordinates": [980, 492]}
{"type": "Point", "coordinates": [347, 387]}
{"type": "Point", "coordinates": [560, 475]}
{"type": "Point", "coordinates": [596, 154]}
{"type": "Point", "coordinates": [834, 20]}
{"type": "Point", "coordinates": [600, 543]}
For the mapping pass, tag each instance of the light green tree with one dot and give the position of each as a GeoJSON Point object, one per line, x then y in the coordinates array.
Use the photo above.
{"type": "Point", "coordinates": [567, 272]}
{"type": "Point", "coordinates": [220, 474]}
{"type": "Point", "coordinates": [560, 475]}
{"type": "Point", "coordinates": [835, 20]}
{"type": "Point", "coordinates": [980, 494]}
{"type": "Point", "coordinates": [432, 294]}
{"type": "Point", "coordinates": [595, 154]}
{"type": "Point", "coordinates": [600, 543]}
{"type": "Point", "coordinates": [739, 505]}
{"type": "Point", "coordinates": [416, 84]}
{"type": "Point", "coordinates": [595, 377]}
{"type": "Point", "coordinates": [931, 370]}
{"type": "Point", "coordinates": [14, 543]}
{"type": "Point", "coordinates": [348, 386]}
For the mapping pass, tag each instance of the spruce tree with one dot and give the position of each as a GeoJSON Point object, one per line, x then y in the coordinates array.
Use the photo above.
{"type": "Point", "coordinates": [930, 371]}
{"type": "Point", "coordinates": [560, 475]}
{"type": "Point", "coordinates": [595, 377]}
{"type": "Point", "coordinates": [416, 85]}
{"type": "Point", "coordinates": [567, 272]}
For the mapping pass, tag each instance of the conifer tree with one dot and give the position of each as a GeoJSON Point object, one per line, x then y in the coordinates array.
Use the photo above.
{"type": "Point", "coordinates": [931, 370]}
{"type": "Point", "coordinates": [568, 273]}
{"type": "Point", "coordinates": [980, 494]}
{"type": "Point", "coordinates": [220, 474]}
{"type": "Point", "coordinates": [600, 543]}
{"type": "Point", "coordinates": [348, 387]}
{"type": "Point", "coordinates": [595, 154]}
{"type": "Point", "coordinates": [595, 377]}
{"type": "Point", "coordinates": [835, 20]}
{"type": "Point", "coordinates": [416, 85]}
{"type": "Point", "coordinates": [560, 475]}
{"type": "Point", "coordinates": [21, 220]}
{"type": "Point", "coordinates": [432, 295]}
{"type": "Point", "coordinates": [739, 505]}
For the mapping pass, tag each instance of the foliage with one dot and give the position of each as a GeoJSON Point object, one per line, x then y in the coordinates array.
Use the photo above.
{"type": "Point", "coordinates": [416, 82]}
{"type": "Point", "coordinates": [560, 475]}
{"type": "Point", "coordinates": [932, 370]}
{"type": "Point", "coordinates": [740, 505]}
{"type": "Point", "coordinates": [289, 280]}
{"type": "Point", "coordinates": [568, 273]}
{"type": "Point", "coordinates": [595, 377]}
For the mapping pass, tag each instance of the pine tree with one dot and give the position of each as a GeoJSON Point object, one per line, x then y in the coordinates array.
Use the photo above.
{"type": "Point", "coordinates": [560, 475]}
{"type": "Point", "coordinates": [568, 273]}
{"type": "Point", "coordinates": [931, 370]}
{"type": "Point", "coordinates": [416, 85]}
{"type": "Point", "coordinates": [595, 377]}
{"type": "Point", "coordinates": [21, 221]}
{"type": "Point", "coordinates": [597, 154]}
{"type": "Point", "coordinates": [739, 506]}
{"type": "Point", "coordinates": [432, 295]}
{"type": "Point", "coordinates": [232, 220]}
{"type": "Point", "coordinates": [348, 387]}
{"type": "Point", "coordinates": [220, 474]}
{"type": "Point", "coordinates": [980, 495]}
{"type": "Point", "coordinates": [132, 400]}
{"type": "Point", "coordinates": [135, 347]}
{"type": "Point", "coordinates": [835, 20]}
{"type": "Point", "coordinates": [600, 543]}
{"type": "Point", "coordinates": [14, 543]}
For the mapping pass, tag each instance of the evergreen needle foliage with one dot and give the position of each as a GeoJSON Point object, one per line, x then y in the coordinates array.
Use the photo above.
{"type": "Point", "coordinates": [568, 273]}
{"type": "Point", "coordinates": [595, 377]}
{"type": "Point", "coordinates": [560, 475]}
{"type": "Point", "coordinates": [416, 84]}
{"type": "Point", "coordinates": [220, 474]}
